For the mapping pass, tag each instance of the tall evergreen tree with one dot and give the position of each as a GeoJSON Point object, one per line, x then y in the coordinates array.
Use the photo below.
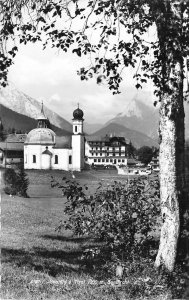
{"type": "Point", "coordinates": [2, 133]}
{"type": "Point", "coordinates": [22, 181]}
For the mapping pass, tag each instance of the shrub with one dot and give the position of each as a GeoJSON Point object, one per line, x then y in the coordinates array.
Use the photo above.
{"type": "Point", "coordinates": [10, 190]}
{"type": "Point", "coordinates": [10, 176]}
{"type": "Point", "coordinates": [123, 215]}
{"type": "Point", "coordinates": [16, 182]}
{"type": "Point", "coordinates": [22, 181]}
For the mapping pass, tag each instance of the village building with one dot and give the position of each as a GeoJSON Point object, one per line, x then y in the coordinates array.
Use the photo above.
{"type": "Point", "coordinates": [44, 150]}
{"type": "Point", "coordinates": [108, 150]}
{"type": "Point", "coordinates": [11, 152]}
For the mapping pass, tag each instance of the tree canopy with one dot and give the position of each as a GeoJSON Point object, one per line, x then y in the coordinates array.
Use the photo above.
{"type": "Point", "coordinates": [114, 34]}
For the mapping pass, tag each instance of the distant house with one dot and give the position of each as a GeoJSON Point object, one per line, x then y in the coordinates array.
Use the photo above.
{"type": "Point", "coordinates": [106, 150]}
{"type": "Point", "coordinates": [154, 164]}
{"type": "Point", "coordinates": [11, 153]}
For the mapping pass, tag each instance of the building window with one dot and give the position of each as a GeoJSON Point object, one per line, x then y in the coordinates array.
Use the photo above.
{"type": "Point", "coordinates": [100, 154]}
{"type": "Point", "coordinates": [75, 128]}
{"type": "Point", "coordinates": [34, 159]}
{"type": "Point", "coordinates": [102, 160]}
{"type": "Point", "coordinates": [107, 154]}
{"type": "Point", "coordinates": [70, 159]}
{"type": "Point", "coordinates": [56, 159]}
{"type": "Point", "coordinates": [111, 160]}
{"type": "Point", "coordinates": [123, 160]}
{"type": "Point", "coordinates": [107, 160]}
{"type": "Point", "coordinates": [92, 154]}
{"type": "Point", "coordinates": [96, 154]}
{"type": "Point", "coordinates": [95, 160]}
{"type": "Point", "coordinates": [119, 160]}
{"type": "Point", "coordinates": [99, 160]}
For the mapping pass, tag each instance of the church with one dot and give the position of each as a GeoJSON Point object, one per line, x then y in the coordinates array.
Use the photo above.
{"type": "Point", "coordinates": [44, 150]}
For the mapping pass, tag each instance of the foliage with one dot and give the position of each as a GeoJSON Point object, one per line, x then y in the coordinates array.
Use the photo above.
{"type": "Point", "coordinates": [22, 181]}
{"type": "Point", "coordinates": [2, 133]}
{"type": "Point", "coordinates": [110, 50]}
{"type": "Point", "coordinates": [131, 150]}
{"type": "Point", "coordinates": [123, 215]}
{"type": "Point", "coordinates": [9, 176]}
{"type": "Point", "coordinates": [145, 154]}
{"type": "Point", "coordinates": [16, 182]}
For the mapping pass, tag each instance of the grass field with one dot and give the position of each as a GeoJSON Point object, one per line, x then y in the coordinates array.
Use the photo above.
{"type": "Point", "coordinates": [39, 263]}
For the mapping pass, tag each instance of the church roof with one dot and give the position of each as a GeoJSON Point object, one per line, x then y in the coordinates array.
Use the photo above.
{"type": "Point", "coordinates": [42, 116]}
{"type": "Point", "coordinates": [47, 152]}
{"type": "Point", "coordinates": [41, 136]}
{"type": "Point", "coordinates": [11, 146]}
{"type": "Point", "coordinates": [63, 142]}
{"type": "Point", "coordinates": [78, 114]}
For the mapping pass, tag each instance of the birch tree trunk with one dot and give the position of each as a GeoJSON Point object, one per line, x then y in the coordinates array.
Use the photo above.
{"type": "Point", "coordinates": [171, 161]}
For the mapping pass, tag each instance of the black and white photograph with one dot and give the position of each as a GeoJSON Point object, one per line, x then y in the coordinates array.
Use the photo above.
{"type": "Point", "coordinates": [94, 149]}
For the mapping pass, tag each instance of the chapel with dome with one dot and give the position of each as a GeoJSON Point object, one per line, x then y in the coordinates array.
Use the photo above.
{"type": "Point", "coordinates": [44, 150]}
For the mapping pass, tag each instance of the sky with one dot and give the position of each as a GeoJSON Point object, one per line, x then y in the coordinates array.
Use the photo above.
{"type": "Point", "coordinates": [52, 77]}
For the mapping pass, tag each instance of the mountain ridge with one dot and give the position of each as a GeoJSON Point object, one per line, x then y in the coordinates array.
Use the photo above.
{"type": "Point", "coordinates": [12, 119]}
{"type": "Point", "coordinates": [137, 138]}
{"type": "Point", "coordinates": [23, 104]}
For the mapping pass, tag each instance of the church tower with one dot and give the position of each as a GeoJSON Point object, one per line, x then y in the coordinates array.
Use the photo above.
{"type": "Point", "coordinates": [78, 145]}
{"type": "Point", "coordinates": [42, 121]}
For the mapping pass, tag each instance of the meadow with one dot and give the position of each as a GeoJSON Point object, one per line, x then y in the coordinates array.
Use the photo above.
{"type": "Point", "coordinates": [41, 263]}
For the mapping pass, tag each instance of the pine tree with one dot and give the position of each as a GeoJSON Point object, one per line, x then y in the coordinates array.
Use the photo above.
{"type": "Point", "coordinates": [22, 181]}
{"type": "Point", "coordinates": [2, 133]}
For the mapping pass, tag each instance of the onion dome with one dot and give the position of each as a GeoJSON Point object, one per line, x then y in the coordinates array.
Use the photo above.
{"type": "Point", "coordinates": [41, 136]}
{"type": "Point", "coordinates": [78, 114]}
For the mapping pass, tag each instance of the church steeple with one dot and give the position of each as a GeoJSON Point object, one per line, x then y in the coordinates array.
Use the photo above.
{"type": "Point", "coordinates": [78, 121]}
{"type": "Point", "coordinates": [42, 121]}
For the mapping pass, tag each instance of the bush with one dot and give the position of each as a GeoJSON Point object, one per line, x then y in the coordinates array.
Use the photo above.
{"type": "Point", "coordinates": [16, 182]}
{"type": "Point", "coordinates": [10, 190]}
{"type": "Point", "coordinates": [22, 181]}
{"type": "Point", "coordinates": [10, 176]}
{"type": "Point", "coordinates": [123, 215]}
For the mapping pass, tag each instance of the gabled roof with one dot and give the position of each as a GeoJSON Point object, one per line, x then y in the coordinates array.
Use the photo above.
{"type": "Point", "coordinates": [47, 152]}
{"type": "Point", "coordinates": [16, 138]}
{"type": "Point", "coordinates": [11, 146]}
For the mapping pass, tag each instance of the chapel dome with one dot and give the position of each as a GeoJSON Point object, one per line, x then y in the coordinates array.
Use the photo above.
{"type": "Point", "coordinates": [78, 114]}
{"type": "Point", "coordinates": [41, 136]}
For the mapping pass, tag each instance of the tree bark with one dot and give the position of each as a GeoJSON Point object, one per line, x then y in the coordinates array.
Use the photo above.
{"type": "Point", "coordinates": [171, 159]}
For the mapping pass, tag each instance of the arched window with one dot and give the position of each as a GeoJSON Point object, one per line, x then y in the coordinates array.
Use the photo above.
{"type": "Point", "coordinates": [56, 159]}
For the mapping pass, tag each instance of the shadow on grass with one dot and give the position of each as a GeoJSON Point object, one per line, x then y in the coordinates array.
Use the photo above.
{"type": "Point", "coordinates": [53, 262]}
{"type": "Point", "coordinates": [72, 239]}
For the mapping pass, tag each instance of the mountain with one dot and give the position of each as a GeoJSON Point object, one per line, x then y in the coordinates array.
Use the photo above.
{"type": "Point", "coordinates": [140, 117]}
{"type": "Point", "coordinates": [137, 138]}
{"type": "Point", "coordinates": [21, 103]}
{"type": "Point", "coordinates": [91, 128]}
{"type": "Point", "coordinates": [12, 119]}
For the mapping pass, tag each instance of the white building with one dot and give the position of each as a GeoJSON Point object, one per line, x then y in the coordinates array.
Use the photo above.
{"type": "Point", "coordinates": [106, 150]}
{"type": "Point", "coordinates": [44, 150]}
